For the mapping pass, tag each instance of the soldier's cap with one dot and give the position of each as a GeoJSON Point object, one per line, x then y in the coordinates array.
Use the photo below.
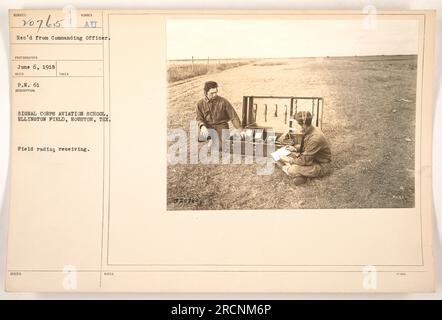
{"type": "Point", "coordinates": [304, 117]}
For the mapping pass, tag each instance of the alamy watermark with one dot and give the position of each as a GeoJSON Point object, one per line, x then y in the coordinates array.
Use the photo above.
{"type": "Point", "coordinates": [370, 278]}
{"type": "Point", "coordinates": [70, 278]}
{"type": "Point", "coordinates": [230, 149]}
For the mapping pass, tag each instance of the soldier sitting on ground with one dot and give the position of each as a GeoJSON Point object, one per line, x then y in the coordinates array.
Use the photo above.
{"type": "Point", "coordinates": [312, 158]}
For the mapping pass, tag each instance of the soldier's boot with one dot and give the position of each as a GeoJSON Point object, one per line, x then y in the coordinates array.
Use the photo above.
{"type": "Point", "coordinates": [299, 180]}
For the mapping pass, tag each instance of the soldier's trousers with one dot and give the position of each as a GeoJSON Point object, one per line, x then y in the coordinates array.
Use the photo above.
{"type": "Point", "coordinates": [313, 171]}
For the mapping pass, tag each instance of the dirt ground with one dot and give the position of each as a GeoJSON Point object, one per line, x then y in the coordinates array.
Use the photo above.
{"type": "Point", "coordinates": [369, 120]}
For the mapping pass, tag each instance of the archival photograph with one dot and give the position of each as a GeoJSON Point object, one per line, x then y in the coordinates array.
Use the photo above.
{"type": "Point", "coordinates": [291, 113]}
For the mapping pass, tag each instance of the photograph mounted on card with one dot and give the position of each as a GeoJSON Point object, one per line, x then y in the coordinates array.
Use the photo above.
{"type": "Point", "coordinates": [346, 105]}
{"type": "Point", "coordinates": [220, 151]}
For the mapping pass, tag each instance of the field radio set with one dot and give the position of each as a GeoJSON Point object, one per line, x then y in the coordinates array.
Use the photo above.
{"type": "Point", "coordinates": [270, 120]}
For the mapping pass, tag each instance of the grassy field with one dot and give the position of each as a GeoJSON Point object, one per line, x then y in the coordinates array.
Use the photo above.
{"type": "Point", "coordinates": [369, 119]}
{"type": "Point", "coordinates": [186, 70]}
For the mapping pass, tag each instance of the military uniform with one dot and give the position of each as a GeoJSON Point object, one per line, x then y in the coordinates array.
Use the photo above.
{"type": "Point", "coordinates": [314, 157]}
{"type": "Point", "coordinates": [215, 114]}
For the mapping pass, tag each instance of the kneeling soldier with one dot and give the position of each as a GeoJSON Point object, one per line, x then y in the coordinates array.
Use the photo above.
{"type": "Point", "coordinates": [214, 112]}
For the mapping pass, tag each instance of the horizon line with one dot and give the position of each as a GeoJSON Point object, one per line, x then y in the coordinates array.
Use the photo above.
{"type": "Point", "coordinates": [328, 56]}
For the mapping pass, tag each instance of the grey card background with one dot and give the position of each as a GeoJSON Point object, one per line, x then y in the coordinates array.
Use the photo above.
{"type": "Point", "coordinates": [226, 4]}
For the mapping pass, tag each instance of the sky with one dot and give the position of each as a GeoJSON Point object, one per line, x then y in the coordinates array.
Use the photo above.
{"type": "Point", "coordinates": [289, 38]}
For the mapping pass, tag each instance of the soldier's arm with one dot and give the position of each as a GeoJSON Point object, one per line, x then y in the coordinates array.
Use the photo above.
{"type": "Point", "coordinates": [232, 115]}
{"type": "Point", "coordinates": [200, 116]}
{"type": "Point", "coordinates": [311, 148]}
